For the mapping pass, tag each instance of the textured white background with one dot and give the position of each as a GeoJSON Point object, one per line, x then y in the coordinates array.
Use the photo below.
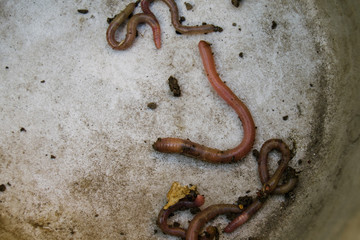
{"type": "Point", "coordinates": [86, 104]}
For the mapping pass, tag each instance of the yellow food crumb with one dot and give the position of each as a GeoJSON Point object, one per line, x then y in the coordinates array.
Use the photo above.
{"type": "Point", "coordinates": [176, 193]}
{"type": "Point", "coordinates": [241, 206]}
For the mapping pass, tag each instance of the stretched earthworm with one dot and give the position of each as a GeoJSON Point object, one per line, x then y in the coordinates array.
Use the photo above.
{"type": "Point", "coordinates": [183, 204]}
{"type": "Point", "coordinates": [206, 215]}
{"type": "Point", "coordinates": [131, 28]}
{"type": "Point", "coordinates": [244, 216]}
{"type": "Point", "coordinates": [271, 184]}
{"type": "Point", "coordinates": [186, 147]}
{"type": "Point", "coordinates": [175, 19]}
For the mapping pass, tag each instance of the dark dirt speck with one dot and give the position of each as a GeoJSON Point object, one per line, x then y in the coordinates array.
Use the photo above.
{"type": "Point", "coordinates": [218, 29]}
{"type": "Point", "coordinates": [188, 6]}
{"type": "Point", "coordinates": [273, 25]}
{"type": "Point", "coordinates": [195, 210]}
{"type": "Point", "coordinates": [241, 54]}
{"type": "Point", "coordinates": [256, 153]}
{"type": "Point", "coordinates": [235, 3]}
{"type": "Point", "coordinates": [245, 201]}
{"type": "Point", "coordinates": [182, 19]}
{"type": "Point", "coordinates": [174, 86]}
{"type": "Point", "coordinates": [83, 11]}
{"type": "Point", "coordinates": [152, 105]}
{"type": "Point", "coordinates": [22, 129]}
{"type": "Point", "coordinates": [109, 19]}
{"type": "Point", "coordinates": [285, 117]}
{"type": "Point", "coordinates": [2, 187]}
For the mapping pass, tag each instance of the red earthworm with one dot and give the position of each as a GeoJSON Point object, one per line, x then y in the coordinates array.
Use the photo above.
{"type": "Point", "coordinates": [206, 215]}
{"type": "Point", "coordinates": [244, 216]}
{"type": "Point", "coordinates": [271, 184]}
{"type": "Point", "coordinates": [131, 28]}
{"type": "Point", "coordinates": [182, 204]}
{"type": "Point", "coordinates": [145, 6]}
{"type": "Point", "coordinates": [186, 147]}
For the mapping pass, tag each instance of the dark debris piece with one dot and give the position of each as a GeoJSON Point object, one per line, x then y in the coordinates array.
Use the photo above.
{"type": "Point", "coordinates": [174, 86]}
{"type": "Point", "coordinates": [273, 25]}
{"type": "Point", "coordinates": [245, 201]}
{"type": "Point", "coordinates": [256, 153]}
{"type": "Point", "coordinates": [195, 210]}
{"type": "Point", "coordinates": [109, 20]}
{"type": "Point", "coordinates": [2, 187]}
{"type": "Point", "coordinates": [182, 19]}
{"type": "Point", "coordinates": [218, 29]}
{"type": "Point", "coordinates": [83, 11]}
{"type": "Point", "coordinates": [188, 6]}
{"type": "Point", "coordinates": [236, 3]}
{"type": "Point", "coordinates": [152, 105]}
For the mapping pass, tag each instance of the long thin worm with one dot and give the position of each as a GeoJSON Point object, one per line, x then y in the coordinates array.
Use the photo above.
{"type": "Point", "coordinates": [206, 215]}
{"type": "Point", "coordinates": [175, 19]}
{"type": "Point", "coordinates": [131, 28]}
{"type": "Point", "coordinates": [186, 147]}
{"type": "Point", "coordinates": [244, 216]}
{"type": "Point", "coordinates": [181, 205]}
{"type": "Point", "coordinates": [269, 183]}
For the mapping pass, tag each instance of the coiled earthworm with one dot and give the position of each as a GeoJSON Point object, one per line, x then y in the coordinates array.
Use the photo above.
{"type": "Point", "coordinates": [131, 28]}
{"type": "Point", "coordinates": [175, 19]}
{"type": "Point", "coordinates": [290, 184]}
{"type": "Point", "coordinates": [269, 183]}
{"type": "Point", "coordinates": [186, 147]}
{"type": "Point", "coordinates": [182, 204]}
{"type": "Point", "coordinates": [206, 215]}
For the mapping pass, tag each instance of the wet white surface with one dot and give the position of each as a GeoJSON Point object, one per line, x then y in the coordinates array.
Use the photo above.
{"type": "Point", "coordinates": [83, 166]}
